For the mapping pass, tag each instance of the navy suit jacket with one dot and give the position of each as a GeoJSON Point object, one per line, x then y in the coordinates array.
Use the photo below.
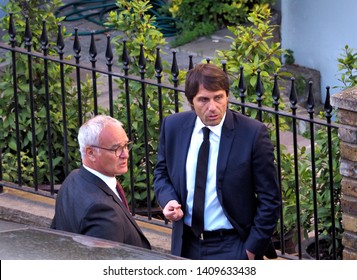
{"type": "Point", "coordinates": [246, 184]}
{"type": "Point", "coordinates": [86, 205]}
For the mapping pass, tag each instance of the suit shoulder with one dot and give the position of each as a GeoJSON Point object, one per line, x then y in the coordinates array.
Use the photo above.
{"type": "Point", "coordinates": [181, 115]}
{"type": "Point", "coordinates": [248, 121]}
{"type": "Point", "coordinates": [76, 182]}
{"type": "Point", "coordinates": [178, 119]}
{"type": "Point", "coordinates": [72, 177]}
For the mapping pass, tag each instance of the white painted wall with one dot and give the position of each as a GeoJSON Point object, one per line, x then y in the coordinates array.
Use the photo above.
{"type": "Point", "coordinates": [317, 31]}
{"type": "Point", "coordinates": [2, 2]}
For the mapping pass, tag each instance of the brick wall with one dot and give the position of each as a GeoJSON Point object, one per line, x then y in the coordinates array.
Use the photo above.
{"type": "Point", "coordinates": [346, 104]}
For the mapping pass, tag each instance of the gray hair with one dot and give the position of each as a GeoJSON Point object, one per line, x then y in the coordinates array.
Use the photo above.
{"type": "Point", "coordinates": [89, 132]}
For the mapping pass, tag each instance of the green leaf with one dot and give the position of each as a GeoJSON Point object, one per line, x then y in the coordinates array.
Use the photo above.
{"type": "Point", "coordinates": [12, 144]}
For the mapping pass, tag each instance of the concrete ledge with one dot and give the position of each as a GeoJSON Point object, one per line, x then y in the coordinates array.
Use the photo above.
{"type": "Point", "coordinates": [36, 210]}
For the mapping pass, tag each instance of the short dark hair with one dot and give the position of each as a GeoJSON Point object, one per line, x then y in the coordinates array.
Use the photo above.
{"type": "Point", "coordinates": [210, 76]}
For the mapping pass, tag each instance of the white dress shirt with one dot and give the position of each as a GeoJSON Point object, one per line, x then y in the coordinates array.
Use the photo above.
{"type": "Point", "coordinates": [214, 217]}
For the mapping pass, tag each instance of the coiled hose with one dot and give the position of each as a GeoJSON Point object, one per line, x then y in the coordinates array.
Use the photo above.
{"type": "Point", "coordinates": [96, 11]}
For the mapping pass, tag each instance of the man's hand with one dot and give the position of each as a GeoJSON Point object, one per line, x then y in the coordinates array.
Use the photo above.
{"type": "Point", "coordinates": [250, 255]}
{"type": "Point", "coordinates": [172, 211]}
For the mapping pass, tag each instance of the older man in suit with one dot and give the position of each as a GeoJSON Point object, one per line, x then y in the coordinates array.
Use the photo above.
{"type": "Point", "coordinates": [241, 197]}
{"type": "Point", "coordinates": [91, 201]}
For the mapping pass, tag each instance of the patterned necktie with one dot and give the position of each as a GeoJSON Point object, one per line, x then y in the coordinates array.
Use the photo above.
{"type": "Point", "coordinates": [200, 185]}
{"type": "Point", "coordinates": [122, 195]}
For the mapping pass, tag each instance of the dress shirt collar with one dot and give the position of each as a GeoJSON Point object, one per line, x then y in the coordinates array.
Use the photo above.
{"type": "Point", "coordinates": [110, 181]}
{"type": "Point", "coordinates": [217, 129]}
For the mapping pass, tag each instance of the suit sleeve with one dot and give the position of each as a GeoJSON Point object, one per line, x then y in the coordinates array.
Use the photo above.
{"type": "Point", "coordinates": [163, 187]}
{"type": "Point", "coordinates": [267, 193]}
{"type": "Point", "coordinates": [101, 221]}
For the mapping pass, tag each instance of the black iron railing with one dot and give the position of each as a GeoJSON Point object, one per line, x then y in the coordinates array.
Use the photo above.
{"type": "Point", "coordinates": [56, 59]}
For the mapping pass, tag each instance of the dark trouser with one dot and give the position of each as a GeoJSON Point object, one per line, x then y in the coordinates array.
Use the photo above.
{"type": "Point", "coordinates": [224, 245]}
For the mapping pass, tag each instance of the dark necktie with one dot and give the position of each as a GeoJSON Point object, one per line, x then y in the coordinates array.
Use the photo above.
{"type": "Point", "coordinates": [122, 195]}
{"type": "Point", "coordinates": [200, 185]}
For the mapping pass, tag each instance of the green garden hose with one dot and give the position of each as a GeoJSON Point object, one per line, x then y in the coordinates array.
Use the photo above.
{"type": "Point", "coordinates": [96, 11]}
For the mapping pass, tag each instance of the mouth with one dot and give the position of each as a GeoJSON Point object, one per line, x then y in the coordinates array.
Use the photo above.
{"type": "Point", "coordinates": [212, 117]}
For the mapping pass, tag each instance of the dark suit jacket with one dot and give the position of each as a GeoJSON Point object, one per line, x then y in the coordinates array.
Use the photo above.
{"type": "Point", "coordinates": [86, 205]}
{"type": "Point", "coordinates": [247, 186]}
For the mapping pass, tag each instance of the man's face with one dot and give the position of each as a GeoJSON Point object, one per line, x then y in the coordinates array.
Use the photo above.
{"type": "Point", "coordinates": [210, 106]}
{"type": "Point", "coordinates": [108, 162]}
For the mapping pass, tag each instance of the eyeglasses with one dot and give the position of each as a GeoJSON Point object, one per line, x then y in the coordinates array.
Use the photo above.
{"type": "Point", "coordinates": [119, 150]}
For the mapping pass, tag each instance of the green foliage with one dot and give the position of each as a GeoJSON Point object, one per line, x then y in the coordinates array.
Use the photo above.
{"type": "Point", "coordinates": [253, 49]}
{"type": "Point", "coordinates": [9, 163]}
{"type": "Point", "coordinates": [322, 191]}
{"type": "Point", "coordinates": [186, 36]}
{"type": "Point", "coordinates": [323, 186]}
{"type": "Point", "coordinates": [201, 18]}
{"type": "Point", "coordinates": [288, 185]}
{"type": "Point", "coordinates": [289, 57]}
{"type": "Point", "coordinates": [139, 29]}
{"type": "Point", "coordinates": [347, 64]}
{"type": "Point", "coordinates": [301, 85]}
{"type": "Point", "coordinates": [37, 11]}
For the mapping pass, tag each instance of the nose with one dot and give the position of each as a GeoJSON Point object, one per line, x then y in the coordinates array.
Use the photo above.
{"type": "Point", "coordinates": [124, 153]}
{"type": "Point", "coordinates": [211, 105]}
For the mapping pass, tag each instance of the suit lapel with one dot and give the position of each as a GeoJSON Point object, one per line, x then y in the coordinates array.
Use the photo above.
{"type": "Point", "coordinates": [92, 179]}
{"type": "Point", "coordinates": [227, 137]}
{"type": "Point", "coordinates": [185, 139]}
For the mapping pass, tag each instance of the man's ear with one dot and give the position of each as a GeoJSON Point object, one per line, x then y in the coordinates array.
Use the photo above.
{"type": "Point", "coordinates": [90, 153]}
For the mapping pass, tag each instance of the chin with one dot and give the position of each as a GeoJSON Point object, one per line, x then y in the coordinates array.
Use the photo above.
{"type": "Point", "coordinates": [122, 171]}
{"type": "Point", "coordinates": [212, 123]}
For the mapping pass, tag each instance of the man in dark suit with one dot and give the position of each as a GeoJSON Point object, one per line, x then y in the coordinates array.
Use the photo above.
{"type": "Point", "coordinates": [241, 199]}
{"type": "Point", "coordinates": [91, 200]}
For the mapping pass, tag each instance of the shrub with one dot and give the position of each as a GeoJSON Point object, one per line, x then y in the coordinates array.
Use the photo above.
{"type": "Point", "coordinates": [253, 49]}
{"type": "Point", "coordinates": [347, 65]}
{"type": "Point", "coordinates": [37, 11]}
{"type": "Point", "coordinates": [201, 18]}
